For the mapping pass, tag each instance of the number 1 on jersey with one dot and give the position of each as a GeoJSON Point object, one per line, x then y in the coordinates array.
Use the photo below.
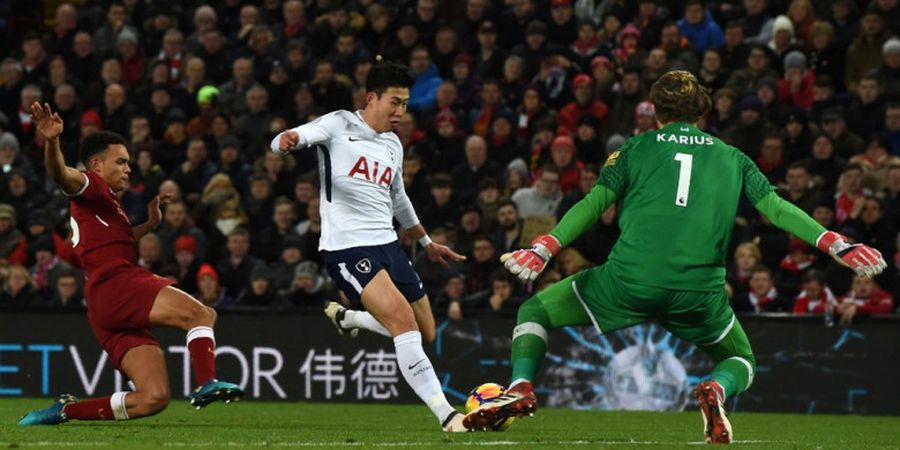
{"type": "Point", "coordinates": [684, 178]}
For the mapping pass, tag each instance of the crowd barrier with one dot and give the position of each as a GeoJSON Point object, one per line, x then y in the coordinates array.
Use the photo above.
{"type": "Point", "coordinates": [803, 366]}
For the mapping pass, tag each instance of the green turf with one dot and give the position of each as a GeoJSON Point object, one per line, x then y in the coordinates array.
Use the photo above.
{"type": "Point", "coordinates": [286, 425]}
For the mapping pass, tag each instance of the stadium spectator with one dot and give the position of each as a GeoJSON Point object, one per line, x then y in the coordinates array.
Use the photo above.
{"type": "Point", "coordinates": [846, 143]}
{"type": "Point", "coordinates": [442, 209]}
{"type": "Point", "coordinates": [744, 80]}
{"type": "Point", "coordinates": [793, 267]}
{"type": "Point", "coordinates": [850, 198]}
{"type": "Point", "coordinates": [865, 298]}
{"type": "Point", "coordinates": [209, 291]}
{"type": "Point", "coordinates": [481, 265]}
{"type": "Point", "coordinates": [309, 291]}
{"type": "Point", "coordinates": [269, 242]}
{"type": "Point", "coordinates": [470, 227]}
{"type": "Point", "coordinates": [234, 268]}
{"type": "Point", "coordinates": [584, 104]}
{"type": "Point", "coordinates": [261, 293]}
{"type": "Point", "coordinates": [748, 133]}
{"type": "Point", "coordinates": [19, 289]}
{"type": "Point", "coordinates": [67, 292]}
{"type": "Point", "coordinates": [762, 296]}
{"type": "Point", "coordinates": [747, 256]}
{"type": "Point", "coordinates": [889, 70]}
{"type": "Point", "coordinates": [757, 22]}
{"type": "Point", "coordinates": [543, 198]}
{"type": "Point", "coordinates": [871, 228]}
{"type": "Point", "coordinates": [149, 252]}
{"type": "Point", "coordinates": [468, 174]}
{"type": "Point", "coordinates": [865, 52]}
{"type": "Point", "coordinates": [11, 238]}
{"type": "Point", "coordinates": [815, 296]}
{"type": "Point", "coordinates": [771, 159]}
{"type": "Point", "coordinates": [699, 28]}
{"type": "Point", "coordinates": [187, 262]}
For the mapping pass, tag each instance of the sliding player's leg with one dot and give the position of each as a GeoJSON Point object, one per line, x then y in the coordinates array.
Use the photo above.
{"type": "Point", "coordinates": [175, 308]}
{"type": "Point", "coordinates": [143, 364]}
{"type": "Point", "coordinates": [388, 305]}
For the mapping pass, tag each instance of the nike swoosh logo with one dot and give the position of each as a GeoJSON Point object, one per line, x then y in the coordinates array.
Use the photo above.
{"type": "Point", "coordinates": [414, 365]}
{"type": "Point", "coordinates": [354, 140]}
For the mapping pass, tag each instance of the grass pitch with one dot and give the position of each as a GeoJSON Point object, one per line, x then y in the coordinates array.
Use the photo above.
{"type": "Point", "coordinates": [342, 425]}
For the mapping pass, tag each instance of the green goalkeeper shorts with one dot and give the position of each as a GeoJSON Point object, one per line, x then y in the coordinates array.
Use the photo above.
{"type": "Point", "coordinates": [700, 317]}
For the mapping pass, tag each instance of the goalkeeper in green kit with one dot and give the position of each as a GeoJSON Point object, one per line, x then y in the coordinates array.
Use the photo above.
{"type": "Point", "coordinates": [677, 189]}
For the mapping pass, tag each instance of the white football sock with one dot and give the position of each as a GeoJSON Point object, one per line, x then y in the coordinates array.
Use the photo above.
{"type": "Point", "coordinates": [418, 373]}
{"type": "Point", "coordinates": [364, 320]}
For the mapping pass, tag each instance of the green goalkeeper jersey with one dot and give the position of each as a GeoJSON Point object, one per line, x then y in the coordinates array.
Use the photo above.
{"type": "Point", "coordinates": [678, 191]}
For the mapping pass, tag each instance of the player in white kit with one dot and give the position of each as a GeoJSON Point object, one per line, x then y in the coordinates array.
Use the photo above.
{"type": "Point", "coordinates": [360, 167]}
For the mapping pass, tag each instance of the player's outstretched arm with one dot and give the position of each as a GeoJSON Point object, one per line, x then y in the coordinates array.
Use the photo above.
{"type": "Point", "coordinates": [50, 127]}
{"type": "Point", "coordinates": [864, 260]}
{"type": "Point", "coordinates": [529, 263]}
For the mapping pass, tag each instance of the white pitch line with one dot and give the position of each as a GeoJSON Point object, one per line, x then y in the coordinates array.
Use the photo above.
{"type": "Point", "coordinates": [379, 444]}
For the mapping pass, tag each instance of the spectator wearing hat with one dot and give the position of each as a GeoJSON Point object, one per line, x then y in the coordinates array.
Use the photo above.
{"type": "Point", "coordinates": [588, 141]}
{"type": "Point", "coordinates": [644, 117]}
{"type": "Point", "coordinates": [604, 75]}
{"type": "Point", "coordinates": [584, 104]}
{"type": "Point", "coordinates": [562, 155]}
{"type": "Point", "coordinates": [782, 41]}
{"type": "Point", "coordinates": [748, 133]}
{"type": "Point", "coordinates": [11, 157]}
{"type": "Point", "coordinates": [261, 293]}
{"type": "Point", "coordinates": [12, 240]}
{"type": "Point", "coordinates": [132, 57]}
{"type": "Point", "coordinates": [447, 143]}
{"type": "Point", "coordinates": [757, 22]}
{"type": "Point", "coordinates": [889, 70]}
{"type": "Point", "coordinates": [209, 290]}
{"type": "Point", "coordinates": [743, 81]}
{"type": "Point", "coordinates": [536, 48]}
{"type": "Point", "coordinates": [866, 51]}
{"type": "Point", "coordinates": [563, 26]}
{"type": "Point", "coordinates": [698, 26]}
{"type": "Point", "coordinates": [517, 176]}
{"type": "Point", "coordinates": [186, 262]}
{"type": "Point", "coordinates": [468, 85]}
{"type": "Point", "coordinates": [470, 225]}
{"type": "Point", "coordinates": [630, 93]}
{"type": "Point", "coordinates": [629, 53]}
{"type": "Point", "coordinates": [19, 289]}
{"type": "Point", "coordinates": [291, 254]}
{"type": "Point", "coordinates": [847, 144]}
{"type": "Point", "coordinates": [796, 88]}
{"type": "Point", "coordinates": [309, 291]}
{"type": "Point", "coordinates": [231, 162]}
{"type": "Point", "coordinates": [117, 21]}
{"type": "Point", "coordinates": [488, 58]}
{"type": "Point", "coordinates": [175, 140]}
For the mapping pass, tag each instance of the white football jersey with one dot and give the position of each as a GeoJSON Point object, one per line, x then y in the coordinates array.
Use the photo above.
{"type": "Point", "coordinates": [361, 181]}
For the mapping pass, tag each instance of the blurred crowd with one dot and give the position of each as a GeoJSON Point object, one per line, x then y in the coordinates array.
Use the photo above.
{"type": "Point", "coordinates": [515, 107]}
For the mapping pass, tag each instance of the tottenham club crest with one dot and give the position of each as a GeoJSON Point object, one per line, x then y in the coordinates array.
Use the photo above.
{"type": "Point", "coordinates": [364, 266]}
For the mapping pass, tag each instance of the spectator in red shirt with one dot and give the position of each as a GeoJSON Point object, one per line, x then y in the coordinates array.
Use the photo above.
{"type": "Point", "coordinates": [815, 294]}
{"type": "Point", "coordinates": [796, 88]}
{"type": "Point", "coordinates": [584, 104]}
{"type": "Point", "coordinates": [865, 297]}
{"type": "Point", "coordinates": [562, 153]}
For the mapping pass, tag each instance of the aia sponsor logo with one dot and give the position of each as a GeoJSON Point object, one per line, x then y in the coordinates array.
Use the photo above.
{"type": "Point", "coordinates": [372, 173]}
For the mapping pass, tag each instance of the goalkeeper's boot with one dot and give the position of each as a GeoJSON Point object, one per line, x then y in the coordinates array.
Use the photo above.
{"type": "Point", "coordinates": [517, 401]}
{"type": "Point", "coordinates": [711, 397]}
{"type": "Point", "coordinates": [335, 312]}
{"type": "Point", "coordinates": [215, 390]}
{"type": "Point", "coordinates": [55, 414]}
{"type": "Point", "coordinates": [454, 423]}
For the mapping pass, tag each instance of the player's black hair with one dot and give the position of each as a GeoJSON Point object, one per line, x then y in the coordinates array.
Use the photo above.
{"type": "Point", "coordinates": [97, 143]}
{"type": "Point", "coordinates": [386, 74]}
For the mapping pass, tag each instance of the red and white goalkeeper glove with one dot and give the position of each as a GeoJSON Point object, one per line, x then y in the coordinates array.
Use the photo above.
{"type": "Point", "coordinates": [864, 260]}
{"type": "Point", "coordinates": [529, 263]}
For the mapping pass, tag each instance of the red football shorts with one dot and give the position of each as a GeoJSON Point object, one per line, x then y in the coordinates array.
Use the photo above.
{"type": "Point", "coordinates": [119, 310]}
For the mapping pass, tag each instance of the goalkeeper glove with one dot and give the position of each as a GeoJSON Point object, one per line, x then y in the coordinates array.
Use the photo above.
{"type": "Point", "coordinates": [529, 263]}
{"type": "Point", "coordinates": [864, 260]}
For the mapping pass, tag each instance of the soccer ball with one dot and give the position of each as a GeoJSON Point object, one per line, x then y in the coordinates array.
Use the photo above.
{"type": "Point", "coordinates": [484, 394]}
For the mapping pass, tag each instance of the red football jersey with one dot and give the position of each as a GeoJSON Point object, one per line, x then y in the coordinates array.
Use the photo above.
{"type": "Point", "coordinates": [101, 232]}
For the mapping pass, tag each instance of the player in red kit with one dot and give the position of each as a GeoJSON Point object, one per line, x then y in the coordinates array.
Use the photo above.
{"type": "Point", "coordinates": [124, 300]}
